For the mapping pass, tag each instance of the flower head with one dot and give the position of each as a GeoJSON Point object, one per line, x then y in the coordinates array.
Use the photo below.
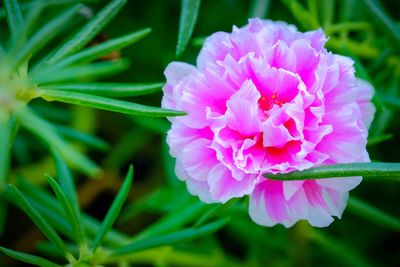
{"type": "Point", "coordinates": [267, 98]}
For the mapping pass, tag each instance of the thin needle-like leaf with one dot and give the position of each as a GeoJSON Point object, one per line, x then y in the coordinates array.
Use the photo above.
{"type": "Point", "coordinates": [365, 169]}
{"type": "Point", "coordinates": [389, 26]}
{"type": "Point", "coordinates": [72, 215]}
{"type": "Point", "coordinates": [114, 211]}
{"type": "Point", "coordinates": [8, 131]}
{"type": "Point", "coordinates": [373, 214]}
{"type": "Point", "coordinates": [28, 258]}
{"type": "Point", "coordinates": [171, 238]}
{"type": "Point", "coordinates": [46, 132]}
{"type": "Point", "coordinates": [108, 89]}
{"type": "Point", "coordinates": [43, 36]}
{"type": "Point", "coordinates": [14, 16]}
{"type": "Point", "coordinates": [66, 181]}
{"type": "Point", "coordinates": [174, 220]}
{"type": "Point", "coordinates": [105, 103]}
{"type": "Point", "coordinates": [87, 139]}
{"type": "Point", "coordinates": [259, 8]}
{"type": "Point", "coordinates": [76, 73]}
{"type": "Point", "coordinates": [189, 13]}
{"type": "Point", "coordinates": [102, 49]}
{"type": "Point", "coordinates": [39, 221]}
{"type": "Point", "coordinates": [87, 33]}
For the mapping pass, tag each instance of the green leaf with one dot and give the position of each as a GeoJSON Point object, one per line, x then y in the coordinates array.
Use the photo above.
{"type": "Point", "coordinates": [108, 89]}
{"type": "Point", "coordinates": [76, 73]}
{"type": "Point", "coordinates": [189, 13]}
{"type": "Point", "coordinates": [114, 211]}
{"type": "Point", "coordinates": [92, 53]}
{"type": "Point", "coordinates": [87, 33]}
{"type": "Point", "coordinates": [339, 251]}
{"type": "Point", "coordinates": [53, 212]}
{"type": "Point", "coordinates": [302, 15]}
{"type": "Point", "coordinates": [391, 101]}
{"type": "Point", "coordinates": [365, 169]}
{"type": "Point", "coordinates": [48, 134]}
{"type": "Point", "coordinates": [105, 103]}
{"type": "Point", "coordinates": [174, 220]}
{"type": "Point", "coordinates": [14, 16]}
{"type": "Point", "coordinates": [66, 181]}
{"type": "Point", "coordinates": [388, 25]}
{"type": "Point", "coordinates": [71, 213]}
{"type": "Point", "coordinates": [373, 214]}
{"type": "Point", "coordinates": [3, 215]}
{"type": "Point", "coordinates": [171, 238]}
{"type": "Point", "coordinates": [8, 131]}
{"type": "Point", "coordinates": [379, 139]}
{"type": "Point", "coordinates": [44, 35]}
{"type": "Point", "coordinates": [259, 8]}
{"type": "Point", "coordinates": [28, 258]}
{"type": "Point", "coordinates": [39, 221]}
{"type": "Point", "coordinates": [87, 139]}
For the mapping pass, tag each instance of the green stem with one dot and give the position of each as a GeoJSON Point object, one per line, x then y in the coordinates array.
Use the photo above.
{"type": "Point", "coordinates": [365, 169]}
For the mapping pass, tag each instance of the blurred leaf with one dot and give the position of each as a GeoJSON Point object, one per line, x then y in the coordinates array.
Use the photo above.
{"type": "Point", "coordinates": [302, 15]}
{"type": "Point", "coordinates": [114, 211]}
{"type": "Point", "coordinates": [379, 139]}
{"type": "Point", "coordinates": [90, 140]}
{"type": "Point", "coordinates": [52, 210]}
{"type": "Point", "coordinates": [338, 251]}
{"type": "Point", "coordinates": [328, 12]}
{"type": "Point", "coordinates": [102, 49]}
{"type": "Point", "coordinates": [47, 133]}
{"type": "Point", "coordinates": [171, 238]}
{"type": "Point", "coordinates": [70, 212]}
{"type": "Point", "coordinates": [28, 258]}
{"type": "Point", "coordinates": [76, 73]}
{"type": "Point", "coordinates": [108, 89]}
{"type": "Point", "coordinates": [3, 215]}
{"type": "Point", "coordinates": [43, 36]}
{"type": "Point", "coordinates": [259, 8]}
{"type": "Point", "coordinates": [188, 18]}
{"type": "Point", "coordinates": [86, 33]}
{"type": "Point", "coordinates": [373, 214]}
{"type": "Point", "coordinates": [174, 220]}
{"type": "Point", "coordinates": [39, 221]}
{"type": "Point", "coordinates": [105, 103]}
{"type": "Point", "coordinates": [384, 20]}
{"type": "Point", "coordinates": [364, 169]}
{"type": "Point", "coordinates": [14, 16]}
{"type": "Point", "coordinates": [8, 131]}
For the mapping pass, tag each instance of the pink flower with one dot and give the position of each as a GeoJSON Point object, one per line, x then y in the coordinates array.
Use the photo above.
{"type": "Point", "coordinates": [268, 99]}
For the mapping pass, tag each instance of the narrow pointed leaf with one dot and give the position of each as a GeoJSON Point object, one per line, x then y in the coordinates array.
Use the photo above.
{"type": "Point", "coordinates": [28, 258]}
{"type": "Point", "coordinates": [44, 35]}
{"type": "Point", "coordinates": [72, 215]}
{"type": "Point", "coordinates": [373, 214]}
{"type": "Point", "coordinates": [87, 139]}
{"type": "Point", "coordinates": [189, 13]}
{"type": "Point", "coordinates": [91, 71]}
{"type": "Point", "coordinates": [52, 211]}
{"type": "Point", "coordinates": [108, 89]}
{"type": "Point", "coordinates": [39, 221]}
{"type": "Point", "coordinates": [105, 103]}
{"type": "Point", "coordinates": [114, 211]}
{"type": "Point", "coordinates": [92, 53]}
{"type": "Point", "coordinates": [14, 16]}
{"type": "Point", "coordinates": [87, 33]}
{"type": "Point", "coordinates": [48, 134]}
{"type": "Point", "coordinates": [259, 8]}
{"type": "Point", "coordinates": [365, 169]}
{"type": "Point", "coordinates": [389, 26]}
{"type": "Point", "coordinates": [171, 239]}
{"type": "Point", "coordinates": [174, 220]}
{"type": "Point", "coordinates": [8, 131]}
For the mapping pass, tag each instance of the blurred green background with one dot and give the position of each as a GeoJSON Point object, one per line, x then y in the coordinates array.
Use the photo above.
{"type": "Point", "coordinates": [355, 28]}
